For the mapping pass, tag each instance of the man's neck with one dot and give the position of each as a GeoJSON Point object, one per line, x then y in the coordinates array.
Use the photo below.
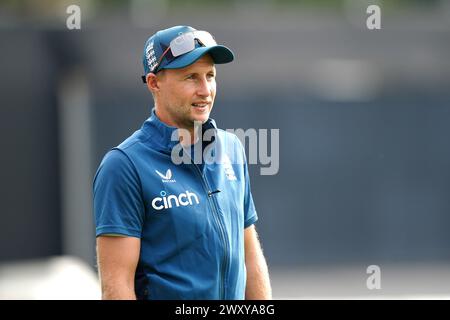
{"type": "Point", "coordinates": [188, 135]}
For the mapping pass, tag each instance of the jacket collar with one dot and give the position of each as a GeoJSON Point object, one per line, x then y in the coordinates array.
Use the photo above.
{"type": "Point", "coordinates": [160, 134]}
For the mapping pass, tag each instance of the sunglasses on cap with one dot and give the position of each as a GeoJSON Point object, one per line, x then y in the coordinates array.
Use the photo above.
{"type": "Point", "coordinates": [183, 44]}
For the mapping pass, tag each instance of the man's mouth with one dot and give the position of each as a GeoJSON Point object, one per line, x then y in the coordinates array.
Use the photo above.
{"type": "Point", "coordinates": [201, 106]}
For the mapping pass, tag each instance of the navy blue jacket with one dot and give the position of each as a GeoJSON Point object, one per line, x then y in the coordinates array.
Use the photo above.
{"type": "Point", "coordinates": [190, 217]}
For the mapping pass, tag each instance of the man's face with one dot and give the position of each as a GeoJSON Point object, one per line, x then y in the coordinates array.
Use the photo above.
{"type": "Point", "coordinates": [187, 94]}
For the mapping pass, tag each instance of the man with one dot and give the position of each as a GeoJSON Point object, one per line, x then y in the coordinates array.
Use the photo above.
{"type": "Point", "coordinates": [178, 231]}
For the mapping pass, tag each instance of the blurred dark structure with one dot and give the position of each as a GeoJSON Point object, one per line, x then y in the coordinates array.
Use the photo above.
{"type": "Point", "coordinates": [363, 118]}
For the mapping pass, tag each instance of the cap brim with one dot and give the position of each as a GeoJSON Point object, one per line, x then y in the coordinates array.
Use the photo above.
{"type": "Point", "coordinates": [220, 54]}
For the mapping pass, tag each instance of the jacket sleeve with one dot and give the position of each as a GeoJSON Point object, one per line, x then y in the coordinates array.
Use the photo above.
{"type": "Point", "coordinates": [118, 205]}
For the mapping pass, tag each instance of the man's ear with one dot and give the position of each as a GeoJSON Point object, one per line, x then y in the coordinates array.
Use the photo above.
{"type": "Point", "coordinates": [152, 82]}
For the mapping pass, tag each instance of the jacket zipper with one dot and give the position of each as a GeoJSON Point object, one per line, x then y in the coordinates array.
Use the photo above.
{"type": "Point", "coordinates": [224, 263]}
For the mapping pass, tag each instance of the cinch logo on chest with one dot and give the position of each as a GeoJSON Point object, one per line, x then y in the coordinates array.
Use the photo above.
{"type": "Point", "coordinates": [166, 202]}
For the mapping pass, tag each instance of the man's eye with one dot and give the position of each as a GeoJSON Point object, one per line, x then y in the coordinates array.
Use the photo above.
{"type": "Point", "coordinates": [191, 76]}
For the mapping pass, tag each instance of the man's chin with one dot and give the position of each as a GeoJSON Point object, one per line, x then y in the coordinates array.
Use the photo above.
{"type": "Point", "coordinates": [200, 117]}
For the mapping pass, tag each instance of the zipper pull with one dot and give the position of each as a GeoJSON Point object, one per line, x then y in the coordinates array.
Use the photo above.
{"type": "Point", "coordinates": [210, 193]}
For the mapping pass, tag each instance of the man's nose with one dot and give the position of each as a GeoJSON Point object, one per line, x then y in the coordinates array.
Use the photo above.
{"type": "Point", "coordinates": [204, 88]}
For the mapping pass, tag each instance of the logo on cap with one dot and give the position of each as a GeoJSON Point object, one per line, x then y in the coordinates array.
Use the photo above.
{"type": "Point", "coordinates": [150, 56]}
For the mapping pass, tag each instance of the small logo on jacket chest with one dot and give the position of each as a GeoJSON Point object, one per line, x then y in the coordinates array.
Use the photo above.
{"type": "Point", "coordinates": [228, 168]}
{"type": "Point", "coordinates": [166, 178]}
